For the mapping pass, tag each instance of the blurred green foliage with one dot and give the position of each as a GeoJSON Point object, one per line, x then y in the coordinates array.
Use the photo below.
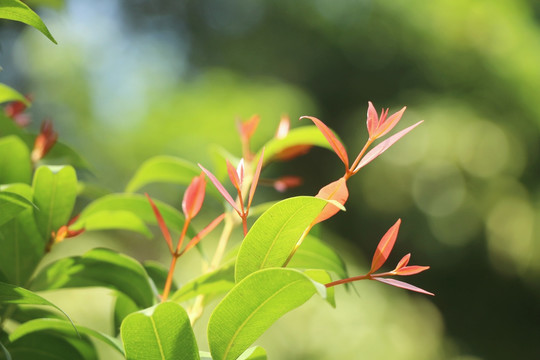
{"type": "Point", "coordinates": [133, 79]}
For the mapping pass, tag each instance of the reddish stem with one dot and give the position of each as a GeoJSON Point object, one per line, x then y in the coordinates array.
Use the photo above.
{"type": "Point", "coordinates": [168, 283]}
{"type": "Point", "coordinates": [350, 172]}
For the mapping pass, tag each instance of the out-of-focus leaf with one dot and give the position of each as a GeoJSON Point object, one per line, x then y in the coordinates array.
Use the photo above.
{"type": "Point", "coordinates": [45, 346]}
{"type": "Point", "coordinates": [385, 247]}
{"type": "Point", "coordinates": [123, 306]}
{"type": "Point", "coordinates": [139, 206]}
{"type": "Point", "coordinates": [12, 204]}
{"type": "Point", "coordinates": [403, 285]}
{"type": "Point", "coordinates": [305, 135]}
{"type": "Point", "coordinates": [253, 305]}
{"type": "Point", "coordinates": [253, 353]}
{"type": "Point", "coordinates": [163, 169]}
{"type": "Point", "coordinates": [158, 273]}
{"type": "Point", "coordinates": [337, 146]}
{"type": "Point", "coordinates": [19, 11]}
{"type": "Point", "coordinates": [9, 94]}
{"type": "Point", "coordinates": [98, 267]}
{"type": "Point", "coordinates": [63, 328]}
{"type": "Point", "coordinates": [216, 282]}
{"type": "Point", "coordinates": [323, 277]}
{"type": "Point", "coordinates": [25, 313]}
{"type": "Point", "coordinates": [274, 235]}
{"type": "Point", "coordinates": [107, 220]}
{"type": "Point", "coordinates": [55, 191]}
{"type": "Point", "coordinates": [314, 254]}
{"type": "Point", "coordinates": [160, 332]}
{"type": "Point", "coordinates": [7, 355]}
{"type": "Point", "coordinates": [15, 164]}
{"type": "Point", "coordinates": [383, 146]}
{"type": "Point", "coordinates": [62, 154]}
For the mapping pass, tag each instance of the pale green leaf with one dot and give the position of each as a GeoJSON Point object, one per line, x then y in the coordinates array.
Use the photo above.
{"type": "Point", "coordinates": [252, 306]}
{"type": "Point", "coordinates": [11, 205]}
{"type": "Point", "coordinates": [314, 254]}
{"type": "Point", "coordinates": [107, 220]}
{"type": "Point", "coordinates": [160, 332]}
{"type": "Point", "coordinates": [18, 11]}
{"type": "Point", "coordinates": [323, 277]}
{"type": "Point", "coordinates": [9, 94]}
{"type": "Point", "coordinates": [15, 164]}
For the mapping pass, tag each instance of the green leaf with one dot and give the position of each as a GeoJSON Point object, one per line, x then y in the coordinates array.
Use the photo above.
{"type": "Point", "coordinates": [63, 328]}
{"type": "Point", "coordinates": [98, 267]}
{"type": "Point", "coordinates": [7, 355]}
{"type": "Point", "coordinates": [323, 277]}
{"type": "Point", "coordinates": [160, 332]}
{"type": "Point", "coordinates": [9, 94]}
{"type": "Point", "coordinates": [106, 220]}
{"type": "Point", "coordinates": [21, 243]}
{"type": "Point", "coordinates": [44, 346]}
{"type": "Point", "coordinates": [123, 306]}
{"type": "Point", "coordinates": [158, 274]}
{"type": "Point", "coordinates": [15, 164]}
{"type": "Point", "coordinates": [19, 11]}
{"type": "Point", "coordinates": [314, 254]}
{"type": "Point", "coordinates": [274, 235]}
{"type": "Point", "coordinates": [139, 206]}
{"type": "Point", "coordinates": [253, 305]}
{"type": "Point", "coordinates": [254, 353]}
{"type": "Point", "coordinates": [164, 169]}
{"type": "Point", "coordinates": [305, 135]}
{"type": "Point", "coordinates": [55, 191]}
{"type": "Point", "coordinates": [213, 283]}
{"type": "Point", "coordinates": [11, 205]}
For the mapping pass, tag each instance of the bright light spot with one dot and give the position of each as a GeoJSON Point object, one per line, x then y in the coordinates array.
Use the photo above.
{"type": "Point", "coordinates": [458, 228]}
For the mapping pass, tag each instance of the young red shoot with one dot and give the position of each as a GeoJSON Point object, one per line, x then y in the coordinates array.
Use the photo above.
{"type": "Point", "coordinates": [44, 141]}
{"type": "Point", "coordinates": [385, 247]}
{"type": "Point", "coordinates": [197, 238]}
{"type": "Point", "coordinates": [246, 130]}
{"type": "Point", "coordinates": [194, 197]}
{"type": "Point", "coordinates": [380, 126]}
{"type": "Point", "coordinates": [15, 110]}
{"type": "Point", "coordinates": [255, 180]}
{"type": "Point", "coordinates": [64, 232]}
{"type": "Point", "coordinates": [161, 223]}
{"type": "Point", "coordinates": [221, 189]}
{"type": "Point", "coordinates": [338, 147]}
{"type": "Point", "coordinates": [287, 182]}
{"type": "Point", "coordinates": [336, 190]}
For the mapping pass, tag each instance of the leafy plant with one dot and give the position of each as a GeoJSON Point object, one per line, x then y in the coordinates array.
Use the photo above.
{"type": "Point", "coordinates": [278, 266]}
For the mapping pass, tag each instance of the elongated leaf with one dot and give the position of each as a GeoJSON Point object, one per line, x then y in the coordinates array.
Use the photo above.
{"type": "Point", "coordinates": [385, 247]}
{"type": "Point", "coordinates": [137, 205]}
{"type": "Point", "coordinates": [323, 277]}
{"type": "Point", "coordinates": [253, 353]}
{"type": "Point", "coordinates": [9, 94]}
{"type": "Point", "coordinates": [163, 169]}
{"type": "Point", "coordinates": [403, 285]}
{"type": "Point", "coordinates": [63, 328]}
{"type": "Point", "coordinates": [19, 11]}
{"type": "Point", "coordinates": [338, 147]}
{"type": "Point", "coordinates": [21, 243]}
{"type": "Point", "coordinates": [383, 146]}
{"type": "Point", "coordinates": [252, 306]}
{"type": "Point", "coordinates": [213, 283]}
{"type": "Point", "coordinates": [12, 204]}
{"type": "Point", "coordinates": [108, 220]}
{"type": "Point", "coordinates": [55, 190]}
{"type": "Point", "coordinates": [45, 346]}
{"type": "Point", "coordinates": [15, 164]}
{"type": "Point", "coordinates": [160, 332]}
{"type": "Point", "coordinates": [274, 235]}
{"type": "Point", "coordinates": [98, 267]}
{"type": "Point", "coordinates": [314, 254]}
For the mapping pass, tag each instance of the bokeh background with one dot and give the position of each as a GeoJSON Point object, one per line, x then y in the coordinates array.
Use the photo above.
{"type": "Point", "coordinates": [133, 79]}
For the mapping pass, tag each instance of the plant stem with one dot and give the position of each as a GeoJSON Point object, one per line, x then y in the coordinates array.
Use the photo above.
{"type": "Point", "coordinates": [351, 171]}
{"type": "Point", "coordinates": [168, 282]}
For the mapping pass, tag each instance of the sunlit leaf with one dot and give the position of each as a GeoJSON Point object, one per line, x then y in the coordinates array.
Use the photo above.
{"type": "Point", "coordinates": [221, 189]}
{"type": "Point", "coordinates": [274, 235]}
{"type": "Point", "coordinates": [163, 169]}
{"type": "Point", "coordinates": [160, 332]}
{"type": "Point", "coordinates": [314, 254]}
{"type": "Point", "coordinates": [9, 94]}
{"type": "Point", "coordinates": [12, 204]}
{"type": "Point", "coordinates": [385, 247]}
{"type": "Point", "coordinates": [403, 285]}
{"type": "Point", "coordinates": [383, 146]}
{"type": "Point", "coordinates": [336, 190]}
{"type": "Point", "coordinates": [252, 306]}
{"type": "Point", "coordinates": [55, 190]}
{"type": "Point", "coordinates": [98, 267]}
{"type": "Point", "coordinates": [16, 167]}
{"type": "Point", "coordinates": [62, 327]}
{"type": "Point", "coordinates": [253, 353]}
{"type": "Point", "coordinates": [338, 147]}
{"type": "Point", "coordinates": [18, 11]}
{"type": "Point", "coordinates": [323, 277]}
{"type": "Point", "coordinates": [194, 197]}
{"type": "Point", "coordinates": [411, 270]}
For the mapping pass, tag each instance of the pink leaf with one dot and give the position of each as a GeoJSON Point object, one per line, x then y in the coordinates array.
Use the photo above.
{"type": "Point", "coordinates": [403, 285]}
{"type": "Point", "coordinates": [410, 270]}
{"type": "Point", "coordinates": [403, 262]}
{"type": "Point", "coordinates": [336, 190]}
{"type": "Point", "coordinates": [221, 189]}
{"type": "Point", "coordinates": [383, 146]}
{"type": "Point", "coordinates": [338, 147]}
{"type": "Point", "coordinates": [194, 197]}
{"type": "Point", "coordinates": [233, 175]}
{"type": "Point", "coordinates": [372, 119]}
{"type": "Point", "coordinates": [385, 247]}
{"type": "Point", "coordinates": [287, 182]}
{"type": "Point", "coordinates": [203, 233]}
{"type": "Point", "coordinates": [161, 223]}
{"type": "Point", "coordinates": [255, 180]}
{"type": "Point", "coordinates": [247, 128]}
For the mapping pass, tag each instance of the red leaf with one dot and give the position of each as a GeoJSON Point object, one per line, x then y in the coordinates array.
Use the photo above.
{"type": "Point", "coordinates": [385, 247]}
{"type": "Point", "coordinates": [203, 233]}
{"type": "Point", "coordinates": [194, 197]}
{"type": "Point", "coordinates": [403, 262]}
{"type": "Point", "coordinates": [233, 175]}
{"type": "Point", "coordinates": [287, 182]}
{"type": "Point", "coordinates": [336, 190]}
{"type": "Point", "coordinates": [221, 189]}
{"type": "Point", "coordinates": [403, 285]}
{"type": "Point", "coordinates": [338, 147]}
{"type": "Point", "coordinates": [255, 180]}
{"type": "Point", "coordinates": [380, 126]}
{"type": "Point", "coordinates": [161, 223]}
{"type": "Point", "coordinates": [410, 270]}
{"type": "Point", "coordinates": [383, 146]}
{"type": "Point", "coordinates": [292, 152]}
{"type": "Point", "coordinates": [247, 128]}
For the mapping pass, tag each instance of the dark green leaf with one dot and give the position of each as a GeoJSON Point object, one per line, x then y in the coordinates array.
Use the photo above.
{"type": "Point", "coordinates": [160, 332]}
{"type": "Point", "coordinates": [98, 267]}
{"type": "Point", "coordinates": [15, 164]}
{"type": "Point", "coordinates": [253, 305]}
{"type": "Point", "coordinates": [274, 235]}
{"type": "Point", "coordinates": [55, 191]}
{"type": "Point", "coordinates": [45, 346]}
{"type": "Point", "coordinates": [19, 11]}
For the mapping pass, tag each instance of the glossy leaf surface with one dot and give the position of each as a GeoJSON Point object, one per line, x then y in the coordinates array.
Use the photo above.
{"type": "Point", "coordinates": [314, 254]}
{"type": "Point", "coordinates": [336, 190]}
{"type": "Point", "coordinates": [163, 169]}
{"type": "Point", "coordinates": [18, 11]}
{"type": "Point", "coordinates": [160, 332]}
{"type": "Point", "coordinates": [274, 235]}
{"type": "Point", "coordinates": [252, 306]}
